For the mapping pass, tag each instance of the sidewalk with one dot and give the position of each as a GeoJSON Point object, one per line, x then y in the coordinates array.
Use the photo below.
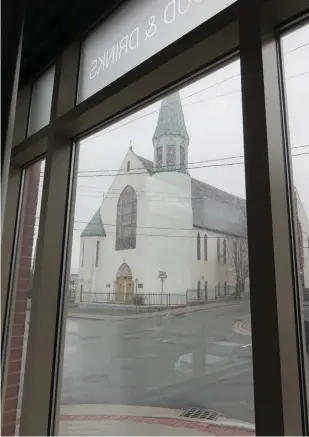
{"type": "Point", "coordinates": [135, 420]}
{"type": "Point", "coordinates": [105, 314]}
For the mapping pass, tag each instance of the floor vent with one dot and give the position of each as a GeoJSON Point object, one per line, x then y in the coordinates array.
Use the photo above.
{"type": "Point", "coordinates": [199, 413]}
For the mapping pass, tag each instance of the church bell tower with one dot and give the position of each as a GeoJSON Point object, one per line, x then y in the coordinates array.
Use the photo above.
{"type": "Point", "coordinates": [171, 140]}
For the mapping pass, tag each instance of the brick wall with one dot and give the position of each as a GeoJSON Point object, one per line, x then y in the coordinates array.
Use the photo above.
{"type": "Point", "coordinates": [20, 310]}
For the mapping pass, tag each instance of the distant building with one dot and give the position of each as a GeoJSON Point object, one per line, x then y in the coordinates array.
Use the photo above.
{"type": "Point", "coordinates": [73, 286]}
{"type": "Point", "coordinates": [156, 217]}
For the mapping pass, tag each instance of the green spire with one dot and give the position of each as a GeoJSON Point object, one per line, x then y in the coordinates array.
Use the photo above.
{"type": "Point", "coordinates": [171, 120]}
{"type": "Point", "coordinates": [95, 227]}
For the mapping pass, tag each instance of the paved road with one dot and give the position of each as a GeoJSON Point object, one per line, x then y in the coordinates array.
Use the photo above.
{"type": "Point", "coordinates": [177, 362]}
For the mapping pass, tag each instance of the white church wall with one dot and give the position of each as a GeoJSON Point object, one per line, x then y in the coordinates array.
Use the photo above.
{"type": "Point", "coordinates": [168, 218]}
{"type": "Point", "coordinates": [113, 259]}
{"type": "Point", "coordinates": [86, 271]}
{"type": "Point", "coordinates": [210, 270]}
{"type": "Point", "coordinates": [164, 223]}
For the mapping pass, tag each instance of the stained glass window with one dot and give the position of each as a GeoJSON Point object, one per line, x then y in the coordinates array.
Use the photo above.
{"type": "Point", "coordinates": [126, 219]}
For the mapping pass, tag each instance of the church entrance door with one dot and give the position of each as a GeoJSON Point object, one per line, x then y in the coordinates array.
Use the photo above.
{"type": "Point", "coordinates": [124, 284]}
{"type": "Point", "coordinates": [129, 290]}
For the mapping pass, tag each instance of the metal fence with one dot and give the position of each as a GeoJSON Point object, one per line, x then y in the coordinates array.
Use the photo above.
{"type": "Point", "coordinates": [225, 291]}
{"type": "Point", "coordinates": [72, 293]}
{"type": "Point", "coordinates": [190, 297]}
{"type": "Point", "coordinates": [216, 293]}
{"type": "Point", "coordinates": [145, 299]}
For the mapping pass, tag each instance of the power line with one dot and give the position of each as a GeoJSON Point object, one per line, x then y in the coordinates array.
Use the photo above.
{"type": "Point", "coordinates": [168, 166]}
{"type": "Point", "coordinates": [300, 154]}
{"type": "Point", "coordinates": [227, 164]}
{"type": "Point", "coordinates": [164, 166]}
{"type": "Point", "coordinates": [296, 48]}
{"type": "Point", "coordinates": [157, 110]}
{"type": "Point", "coordinates": [189, 163]}
{"type": "Point", "coordinates": [167, 171]}
{"type": "Point", "coordinates": [298, 74]}
{"type": "Point", "coordinates": [99, 134]}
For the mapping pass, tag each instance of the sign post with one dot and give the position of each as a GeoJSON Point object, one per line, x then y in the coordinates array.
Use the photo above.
{"type": "Point", "coordinates": [162, 276]}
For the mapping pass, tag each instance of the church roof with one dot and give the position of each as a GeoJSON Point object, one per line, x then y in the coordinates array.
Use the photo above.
{"type": "Point", "coordinates": [217, 210]}
{"type": "Point", "coordinates": [146, 163]}
{"type": "Point", "coordinates": [212, 208]}
{"type": "Point", "coordinates": [171, 120]}
{"type": "Point", "coordinates": [95, 227]}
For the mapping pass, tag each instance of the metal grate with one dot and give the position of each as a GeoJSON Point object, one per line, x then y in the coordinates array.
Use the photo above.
{"type": "Point", "coordinates": [199, 413]}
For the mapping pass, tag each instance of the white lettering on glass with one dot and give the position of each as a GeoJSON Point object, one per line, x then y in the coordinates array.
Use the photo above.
{"type": "Point", "coordinates": [134, 39]}
{"type": "Point", "coordinates": [170, 12]}
{"type": "Point", "coordinates": [102, 64]}
{"type": "Point", "coordinates": [123, 45]}
{"type": "Point", "coordinates": [93, 70]}
{"type": "Point", "coordinates": [110, 57]}
{"type": "Point", "coordinates": [152, 27]}
{"type": "Point", "coordinates": [116, 51]}
{"type": "Point", "coordinates": [131, 41]}
{"type": "Point", "coordinates": [183, 11]}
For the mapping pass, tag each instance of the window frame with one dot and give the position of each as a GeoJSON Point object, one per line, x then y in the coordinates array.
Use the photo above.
{"type": "Point", "coordinates": [202, 50]}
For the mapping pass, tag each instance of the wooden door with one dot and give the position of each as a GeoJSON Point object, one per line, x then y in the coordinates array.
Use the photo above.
{"type": "Point", "coordinates": [120, 290]}
{"type": "Point", "coordinates": [129, 290]}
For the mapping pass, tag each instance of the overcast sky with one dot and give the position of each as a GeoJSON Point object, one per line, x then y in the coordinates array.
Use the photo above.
{"type": "Point", "coordinates": [213, 116]}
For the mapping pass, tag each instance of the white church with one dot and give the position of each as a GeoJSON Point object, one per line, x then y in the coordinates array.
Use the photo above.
{"type": "Point", "coordinates": [161, 223]}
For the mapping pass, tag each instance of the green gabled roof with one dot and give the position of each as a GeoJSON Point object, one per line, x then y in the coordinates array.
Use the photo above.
{"type": "Point", "coordinates": [95, 227]}
{"type": "Point", "coordinates": [171, 120]}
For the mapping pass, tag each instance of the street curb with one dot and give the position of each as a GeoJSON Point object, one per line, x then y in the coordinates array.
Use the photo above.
{"type": "Point", "coordinates": [211, 427]}
{"type": "Point", "coordinates": [148, 315]}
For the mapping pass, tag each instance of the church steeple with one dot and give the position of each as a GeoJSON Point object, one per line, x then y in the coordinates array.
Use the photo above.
{"type": "Point", "coordinates": [171, 140]}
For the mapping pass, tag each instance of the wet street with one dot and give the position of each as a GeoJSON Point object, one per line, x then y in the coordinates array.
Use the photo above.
{"type": "Point", "coordinates": [193, 359]}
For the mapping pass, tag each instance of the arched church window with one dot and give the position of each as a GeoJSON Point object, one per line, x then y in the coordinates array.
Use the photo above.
{"type": "Point", "coordinates": [159, 157]}
{"type": "Point", "coordinates": [224, 252]}
{"type": "Point", "coordinates": [128, 166]}
{"type": "Point", "coordinates": [171, 155]}
{"type": "Point", "coordinates": [198, 246]}
{"type": "Point", "coordinates": [205, 248]}
{"type": "Point", "coordinates": [126, 219]}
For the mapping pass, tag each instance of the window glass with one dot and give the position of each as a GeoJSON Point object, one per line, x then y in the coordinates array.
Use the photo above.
{"type": "Point", "coordinates": [41, 101]}
{"type": "Point", "coordinates": [295, 50]}
{"type": "Point", "coordinates": [139, 358]}
{"type": "Point", "coordinates": [23, 288]}
{"type": "Point", "coordinates": [135, 32]}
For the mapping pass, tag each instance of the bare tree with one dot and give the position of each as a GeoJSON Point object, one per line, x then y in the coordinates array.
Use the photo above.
{"type": "Point", "coordinates": [237, 248]}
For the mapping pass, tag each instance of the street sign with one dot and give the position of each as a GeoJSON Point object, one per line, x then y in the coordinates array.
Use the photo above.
{"type": "Point", "coordinates": [162, 275]}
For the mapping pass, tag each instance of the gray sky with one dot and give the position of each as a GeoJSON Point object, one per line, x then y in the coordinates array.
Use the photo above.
{"type": "Point", "coordinates": [213, 116]}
